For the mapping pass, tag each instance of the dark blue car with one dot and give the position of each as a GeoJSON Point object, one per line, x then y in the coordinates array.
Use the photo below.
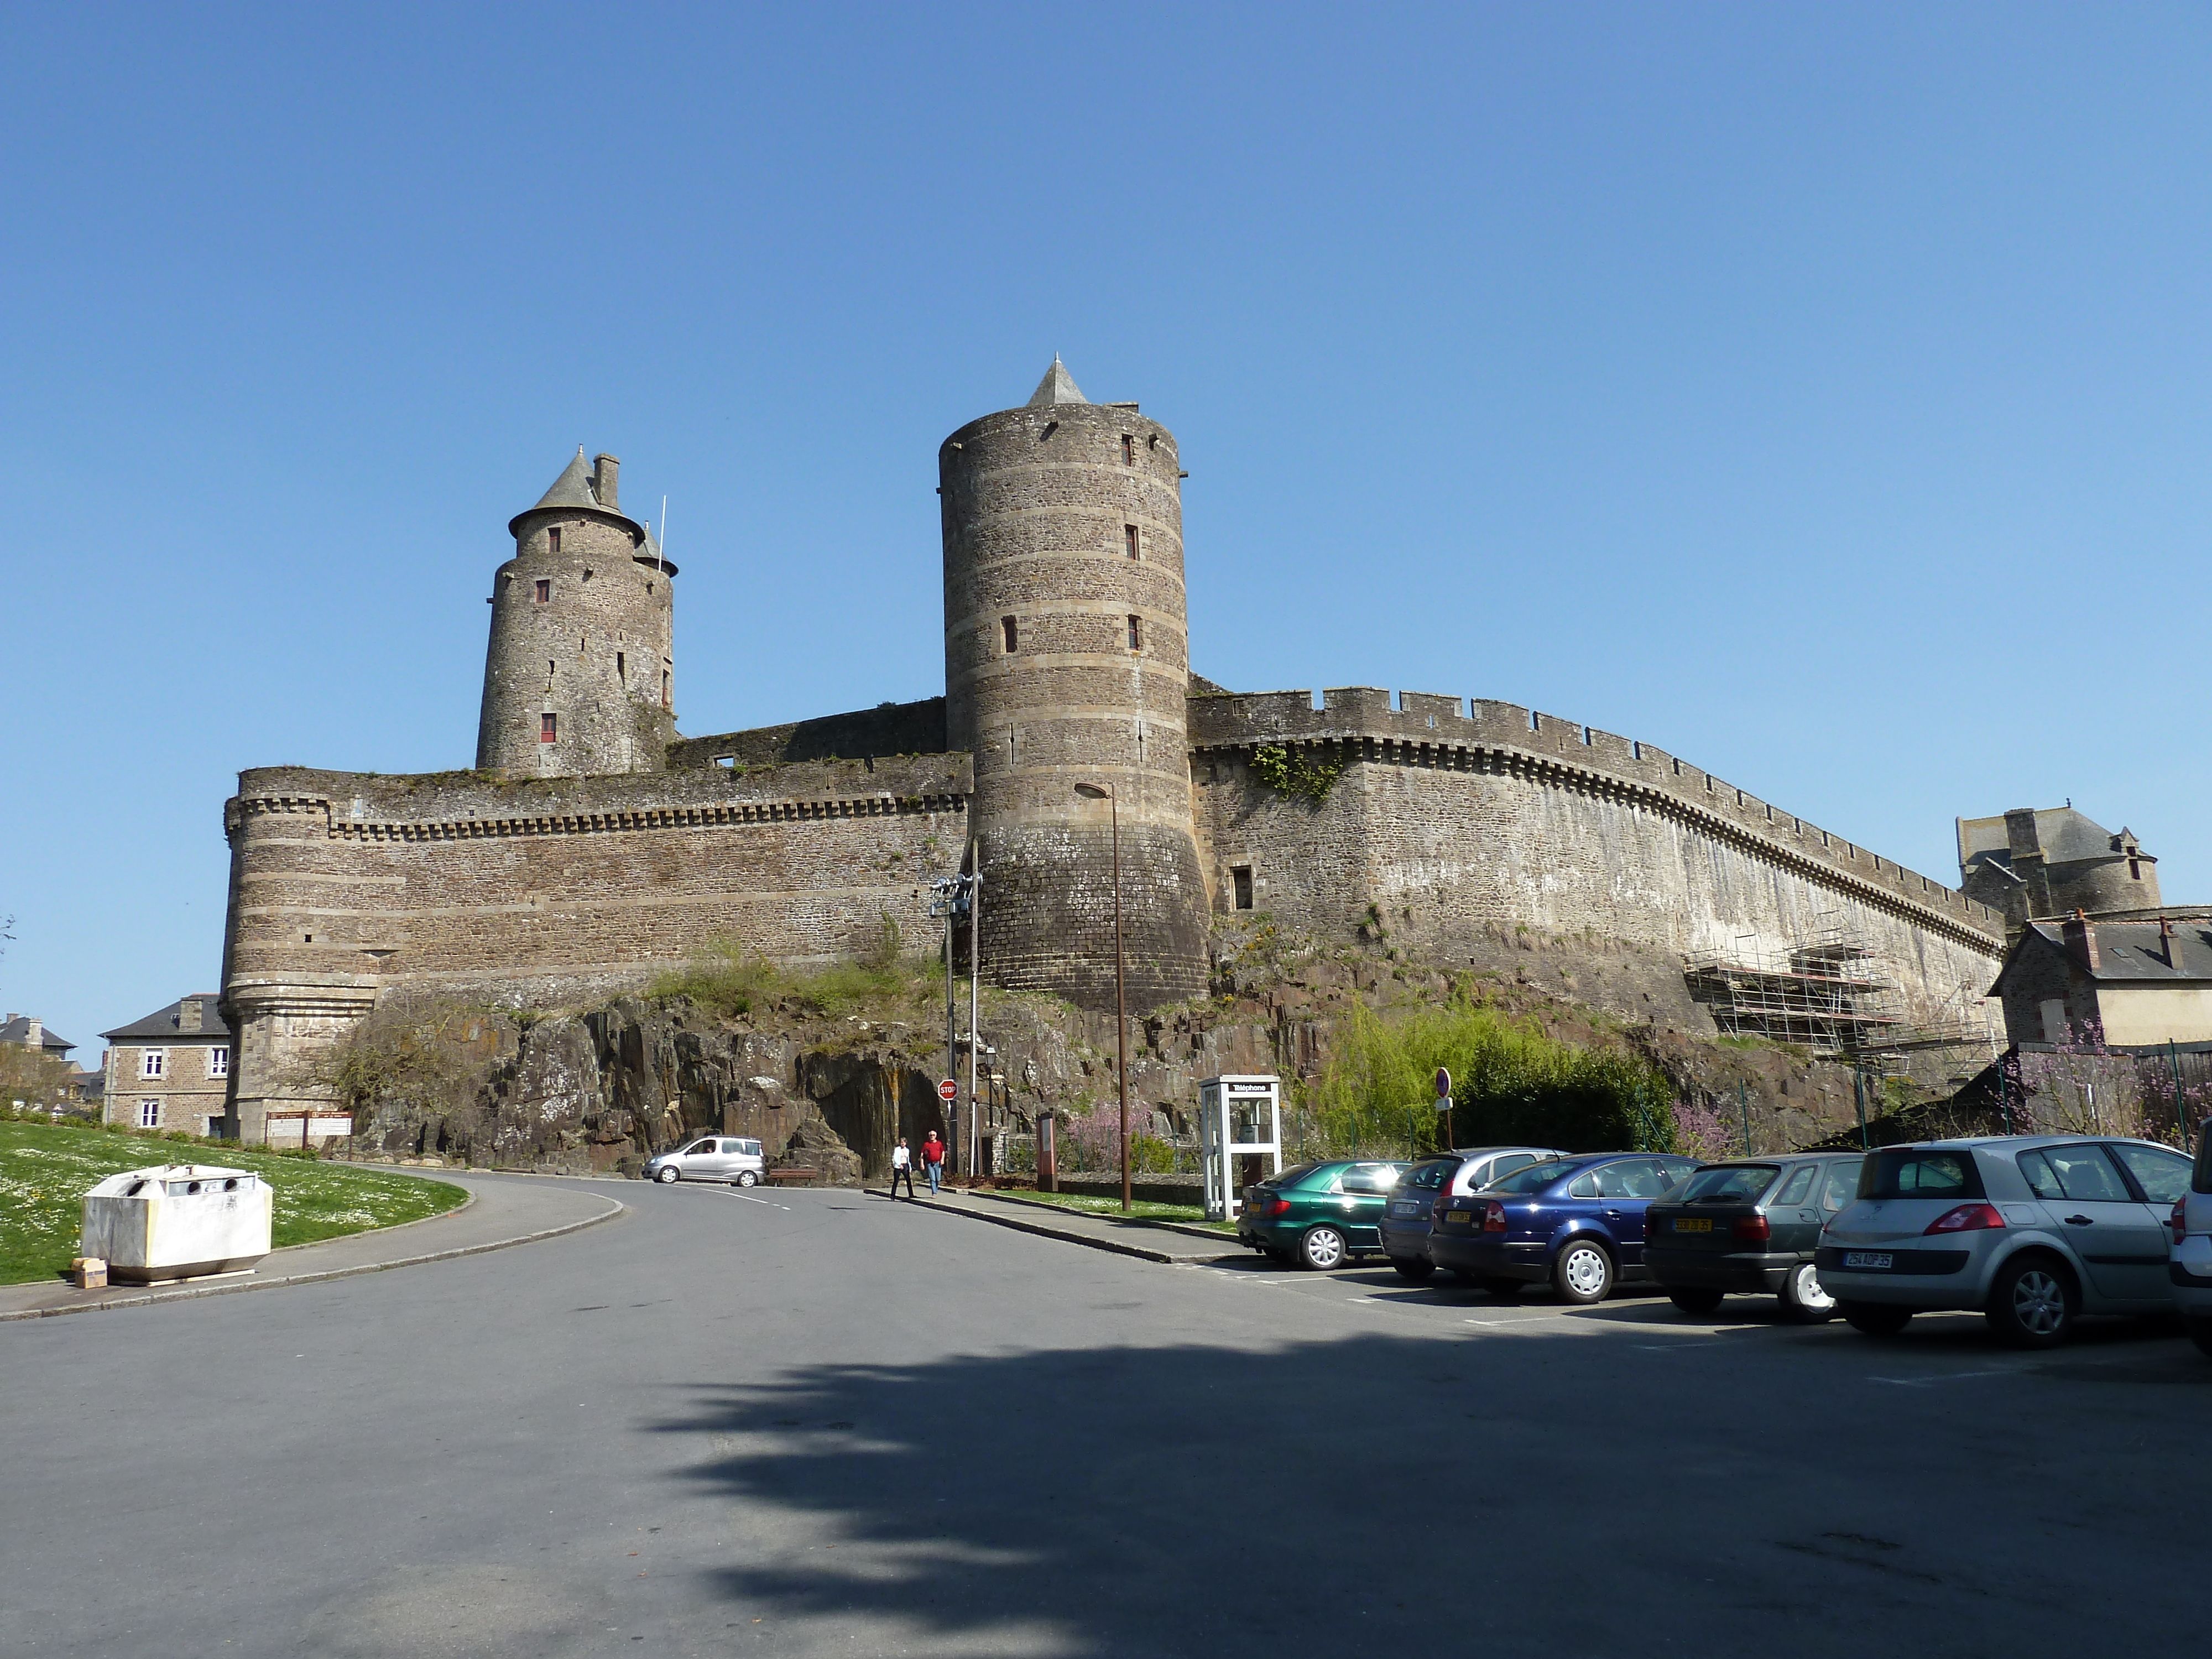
{"type": "Point", "coordinates": [1577, 1222]}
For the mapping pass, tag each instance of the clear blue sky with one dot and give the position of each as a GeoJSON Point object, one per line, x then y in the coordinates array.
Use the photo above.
{"type": "Point", "coordinates": [1819, 393]}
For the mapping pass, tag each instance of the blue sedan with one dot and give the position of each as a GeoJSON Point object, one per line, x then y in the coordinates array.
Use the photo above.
{"type": "Point", "coordinates": [1577, 1222]}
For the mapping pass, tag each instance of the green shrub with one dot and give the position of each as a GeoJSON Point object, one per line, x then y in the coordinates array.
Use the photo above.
{"type": "Point", "coordinates": [1510, 1084]}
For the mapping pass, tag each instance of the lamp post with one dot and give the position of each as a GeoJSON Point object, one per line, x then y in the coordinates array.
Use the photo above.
{"type": "Point", "coordinates": [1105, 793]}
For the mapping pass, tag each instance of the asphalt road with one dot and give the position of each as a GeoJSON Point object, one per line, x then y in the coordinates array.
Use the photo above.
{"type": "Point", "coordinates": [817, 1423]}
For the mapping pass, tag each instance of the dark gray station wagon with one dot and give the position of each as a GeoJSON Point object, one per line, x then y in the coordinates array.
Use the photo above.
{"type": "Point", "coordinates": [1751, 1226]}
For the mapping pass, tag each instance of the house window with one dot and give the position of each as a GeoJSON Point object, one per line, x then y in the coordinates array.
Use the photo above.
{"type": "Point", "coordinates": [1129, 450]}
{"type": "Point", "coordinates": [552, 545]}
{"type": "Point", "coordinates": [1136, 639]}
{"type": "Point", "coordinates": [149, 1113]}
{"type": "Point", "coordinates": [154, 1062]}
{"type": "Point", "coordinates": [544, 590]}
{"type": "Point", "coordinates": [1007, 627]}
{"type": "Point", "coordinates": [1241, 878]}
{"type": "Point", "coordinates": [549, 728]}
{"type": "Point", "coordinates": [1129, 540]}
{"type": "Point", "coordinates": [218, 1062]}
{"type": "Point", "coordinates": [622, 671]}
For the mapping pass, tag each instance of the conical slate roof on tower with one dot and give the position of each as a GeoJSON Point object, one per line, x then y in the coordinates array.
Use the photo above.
{"type": "Point", "coordinates": [577, 486]}
{"type": "Point", "coordinates": [1058, 386]}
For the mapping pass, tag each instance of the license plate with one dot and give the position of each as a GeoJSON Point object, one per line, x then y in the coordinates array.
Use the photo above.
{"type": "Point", "coordinates": [1869, 1259]}
{"type": "Point", "coordinates": [1687, 1226]}
{"type": "Point", "coordinates": [1406, 1209]}
{"type": "Point", "coordinates": [1457, 1216]}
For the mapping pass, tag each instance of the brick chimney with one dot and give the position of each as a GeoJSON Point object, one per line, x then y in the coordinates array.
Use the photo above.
{"type": "Point", "coordinates": [188, 1014]}
{"type": "Point", "coordinates": [2082, 940]}
{"type": "Point", "coordinates": [607, 475]}
{"type": "Point", "coordinates": [34, 1034]}
{"type": "Point", "coordinates": [2024, 843]}
{"type": "Point", "coordinates": [2170, 942]}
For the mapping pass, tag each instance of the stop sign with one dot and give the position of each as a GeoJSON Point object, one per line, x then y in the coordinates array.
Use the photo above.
{"type": "Point", "coordinates": [948, 1090]}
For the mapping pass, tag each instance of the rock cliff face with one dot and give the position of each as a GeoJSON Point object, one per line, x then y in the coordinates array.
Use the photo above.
{"type": "Point", "coordinates": [602, 1091]}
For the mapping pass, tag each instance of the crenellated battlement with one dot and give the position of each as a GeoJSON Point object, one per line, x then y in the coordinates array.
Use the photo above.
{"type": "Point", "coordinates": [1425, 730]}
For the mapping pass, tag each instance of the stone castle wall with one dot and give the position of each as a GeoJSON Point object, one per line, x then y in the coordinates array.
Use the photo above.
{"type": "Point", "coordinates": [348, 887]}
{"type": "Point", "coordinates": [1450, 823]}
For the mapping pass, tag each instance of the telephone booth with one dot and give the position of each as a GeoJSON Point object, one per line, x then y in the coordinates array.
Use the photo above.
{"type": "Point", "coordinates": [1239, 1117]}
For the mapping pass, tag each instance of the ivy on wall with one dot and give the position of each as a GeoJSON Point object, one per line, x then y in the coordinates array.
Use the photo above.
{"type": "Point", "coordinates": [1292, 772]}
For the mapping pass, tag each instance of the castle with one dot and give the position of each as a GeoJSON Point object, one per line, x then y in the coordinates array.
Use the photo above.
{"type": "Point", "coordinates": [592, 846]}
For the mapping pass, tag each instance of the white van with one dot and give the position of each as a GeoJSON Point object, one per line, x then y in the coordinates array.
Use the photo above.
{"type": "Point", "coordinates": [711, 1157]}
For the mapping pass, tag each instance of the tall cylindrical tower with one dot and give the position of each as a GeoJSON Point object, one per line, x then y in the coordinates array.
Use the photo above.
{"type": "Point", "coordinates": [1067, 662]}
{"type": "Point", "coordinates": [581, 675]}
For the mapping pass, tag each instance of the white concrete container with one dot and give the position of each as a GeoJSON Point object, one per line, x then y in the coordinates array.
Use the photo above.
{"type": "Point", "coordinates": [177, 1221]}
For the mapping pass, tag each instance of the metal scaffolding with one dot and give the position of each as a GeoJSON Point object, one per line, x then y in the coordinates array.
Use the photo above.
{"type": "Point", "coordinates": [1827, 993]}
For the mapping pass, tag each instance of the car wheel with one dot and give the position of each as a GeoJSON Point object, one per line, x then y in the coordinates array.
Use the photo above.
{"type": "Point", "coordinates": [1804, 1299]}
{"type": "Point", "coordinates": [1413, 1268]}
{"type": "Point", "coordinates": [1502, 1287]}
{"type": "Point", "coordinates": [1875, 1318]}
{"type": "Point", "coordinates": [1583, 1273]}
{"type": "Point", "coordinates": [2032, 1304]}
{"type": "Point", "coordinates": [1692, 1299]}
{"type": "Point", "coordinates": [1321, 1249]}
{"type": "Point", "coordinates": [664, 1173]}
{"type": "Point", "coordinates": [2200, 1333]}
{"type": "Point", "coordinates": [748, 1178]}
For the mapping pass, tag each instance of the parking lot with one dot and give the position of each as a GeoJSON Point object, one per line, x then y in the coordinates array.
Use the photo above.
{"type": "Point", "coordinates": [818, 1422]}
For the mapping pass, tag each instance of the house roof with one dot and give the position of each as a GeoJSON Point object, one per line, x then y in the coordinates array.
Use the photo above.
{"type": "Point", "coordinates": [2128, 952]}
{"type": "Point", "coordinates": [162, 1024]}
{"type": "Point", "coordinates": [18, 1030]}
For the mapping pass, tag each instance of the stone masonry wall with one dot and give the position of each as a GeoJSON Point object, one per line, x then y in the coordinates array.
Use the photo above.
{"type": "Point", "coordinates": [348, 887]}
{"type": "Point", "coordinates": [1451, 825]}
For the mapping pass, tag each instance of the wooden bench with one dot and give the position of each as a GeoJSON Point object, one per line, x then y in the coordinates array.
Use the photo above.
{"type": "Point", "coordinates": [793, 1176]}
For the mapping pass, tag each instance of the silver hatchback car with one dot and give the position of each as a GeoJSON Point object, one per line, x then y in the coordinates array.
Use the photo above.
{"type": "Point", "coordinates": [734, 1158]}
{"type": "Point", "coordinates": [2191, 1269]}
{"type": "Point", "coordinates": [2030, 1230]}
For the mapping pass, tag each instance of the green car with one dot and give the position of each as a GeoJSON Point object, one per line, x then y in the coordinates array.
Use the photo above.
{"type": "Point", "coordinates": [1319, 1215]}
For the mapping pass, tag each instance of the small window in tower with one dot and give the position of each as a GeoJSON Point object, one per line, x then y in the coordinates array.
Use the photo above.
{"type": "Point", "coordinates": [664, 688]}
{"type": "Point", "coordinates": [1241, 877]}
{"type": "Point", "coordinates": [1129, 540]}
{"type": "Point", "coordinates": [1129, 450]}
{"type": "Point", "coordinates": [552, 543]}
{"type": "Point", "coordinates": [544, 590]}
{"type": "Point", "coordinates": [1136, 639]}
{"type": "Point", "coordinates": [2135, 869]}
{"type": "Point", "coordinates": [1013, 641]}
{"type": "Point", "coordinates": [621, 671]}
{"type": "Point", "coordinates": [549, 728]}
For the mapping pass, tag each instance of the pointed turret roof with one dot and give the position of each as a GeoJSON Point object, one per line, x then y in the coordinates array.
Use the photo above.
{"type": "Point", "coordinates": [1058, 386]}
{"type": "Point", "coordinates": [573, 488]}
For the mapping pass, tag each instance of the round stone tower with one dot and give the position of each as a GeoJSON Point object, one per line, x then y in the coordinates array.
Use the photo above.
{"type": "Point", "coordinates": [580, 677]}
{"type": "Point", "coordinates": [1066, 663]}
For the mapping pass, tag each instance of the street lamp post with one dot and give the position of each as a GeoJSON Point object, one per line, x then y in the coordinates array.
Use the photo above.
{"type": "Point", "coordinates": [1105, 793]}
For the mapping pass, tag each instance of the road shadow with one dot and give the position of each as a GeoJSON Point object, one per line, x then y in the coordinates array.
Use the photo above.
{"type": "Point", "coordinates": [1252, 1496]}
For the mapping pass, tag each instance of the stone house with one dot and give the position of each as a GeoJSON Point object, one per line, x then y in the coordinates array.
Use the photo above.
{"type": "Point", "coordinates": [2120, 984]}
{"type": "Point", "coordinates": [170, 1070]}
{"type": "Point", "coordinates": [29, 1031]}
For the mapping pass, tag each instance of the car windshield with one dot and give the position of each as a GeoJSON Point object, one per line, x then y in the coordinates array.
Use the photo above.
{"type": "Point", "coordinates": [1536, 1177]}
{"type": "Point", "coordinates": [1428, 1177]}
{"type": "Point", "coordinates": [1908, 1172]}
{"type": "Point", "coordinates": [1737, 1184]}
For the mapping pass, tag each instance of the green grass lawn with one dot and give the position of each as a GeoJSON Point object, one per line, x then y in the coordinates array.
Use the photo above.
{"type": "Point", "coordinates": [45, 1170]}
{"type": "Point", "coordinates": [1139, 1209]}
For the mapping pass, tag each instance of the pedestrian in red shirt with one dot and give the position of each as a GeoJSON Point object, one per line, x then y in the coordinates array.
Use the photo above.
{"type": "Point", "coordinates": [932, 1161]}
